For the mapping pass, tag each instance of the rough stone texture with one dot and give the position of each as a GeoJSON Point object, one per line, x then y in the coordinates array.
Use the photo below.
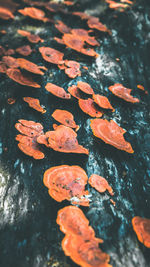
{"type": "Point", "coordinates": [29, 236]}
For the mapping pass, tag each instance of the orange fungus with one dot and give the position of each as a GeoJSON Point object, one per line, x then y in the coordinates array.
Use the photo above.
{"type": "Point", "coordinates": [88, 106]}
{"type": "Point", "coordinates": [34, 13]}
{"type": "Point", "coordinates": [51, 55]}
{"type": "Point", "coordinates": [34, 103]}
{"type": "Point", "coordinates": [111, 133]}
{"type": "Point", "coordinates": [85, 87]}
{"type": "Point", "coordinates": [29, 66]}
{"type": "Point", "coordinates": [102, 101]}
{"type": "Point", "coordinates": [24, 79]}
{"type": "Point", "coordinates": [66, 182]}
{"type": "Point", "coordinates": [57, 91]}
{"type": "Point", "coordinates": [64, 117]}
{"type": "Point", "coordinates": [123, 92]}
{"type": "Point", "coordinates": [80, 242]}
{"type": "Point", "coordinates": [141, 226]}
{"type": "Point", "coordinates": [100, 184]}
{"type": "Point", "coordinates": [64, 139]}
{"type": "Point", "coordinates": [24, 50]}
{"type": "Point", "coordinates": [28, 138]}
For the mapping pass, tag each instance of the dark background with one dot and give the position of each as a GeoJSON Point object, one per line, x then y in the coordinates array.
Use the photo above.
{"type": "Point", "coordinates": [29, 236]}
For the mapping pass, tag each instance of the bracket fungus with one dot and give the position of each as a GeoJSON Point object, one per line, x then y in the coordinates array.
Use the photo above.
{"type": "Point", "coordinates": [102, 101]}
{"type": "Point", "coordinates": [65, 117]}
{"type": "Point", "coordinates": [66, 182]}
{"type": "Point", "coordinates": [63, 28]}
{"type": "Point", "coordinates": [34, 13]}
{"type": "Point", "coordinates": [123, 92]}
{"type": "Point", "coordinates": [22, 78]}
{"type": "Point", "coordinates": [64, 139]}
{"type": "Point", "coordinates": [85, 87]}
{"type": "Point", "coordinates": [57, 91]}
{"type": "Point", "coordinates": [73, 68]}
{"type": "Point", "coordinates": [100, 184]}
{"type": "Point", "coordinates": [141, 226]}
{"type": "Point", "coordinates": [141, 87]}
{"type": "Point", "coordinates": [84, 35]}
{"type": "Point", "coordinates": [75, 92]}
{"type": "Point", "coordinates": [111, 133]}
{"type": "Point", "coordinates": [29, 66]}
{"type": "Point", "coordinates": [51, 55]}
{"type": "Point", "coordinates": [88, 106]}
{"type": "Point", "coordinates": [32, 38]}
{"type": "Point", "coordinates": [24, 50]}
{"type": "Point", "coordinates": [34, 103]}
{"type": "Point", "coordinates": [80, 242]}
{"type": "Point", "coordinates": [28, 138]}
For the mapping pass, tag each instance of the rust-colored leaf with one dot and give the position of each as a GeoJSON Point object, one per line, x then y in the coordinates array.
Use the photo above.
{"type": "Point", "coordinates": [100, 184]}
{"type": "Point", "coordinates": [64, 117]}
{"type": "Point", "coordinates": [111, 133]}
{"type": "Point", "coordinates": [88, 106]}
{"type": "Point", "coordinates": [141, 226]}
{"type": "Point", "coordinates": [24, 79]}
{"type": "Point", "coordinates": [57, 91]}
{"type": "Point", "coordinates": [102, 101]}
{"type": "Point", "coordinates": [24, 50]}
{"type": "Point", "coordinates": [34, 103]}
{"type": "Point", "coordinates": [123, 92]}
{"type": "Point", "coordinates": [51, 55]}
{"type": "Point", "coordinates": [65, 182]}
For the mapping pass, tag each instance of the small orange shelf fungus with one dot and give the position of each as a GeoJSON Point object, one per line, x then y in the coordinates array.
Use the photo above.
{"type": "Point", "coordinates": [34, 13]}
{"type": "Point", "coordinates": [24, 79]}
{"type": "Point", "coordinates": [73, 69]}
{"type": "Point", "coordinates": [102, 101]}
{"type": "Point", "coordinates": [11, 101]}
{"type": "Point", "coordinates": [141, 87]}
{"type": "Point", "coordinates": [88, 106]}
{"type": "Point", "coordinates": [5, 14]}
{"type": "Point", "coordinates": [120, 6]}
{"type": "Point", "coordinates": [29, 146]}
{"type": "Point", "coordinates": [111, 133]}
{"type": "Point", "coordinates": [84, 35]}
{"type": "Point", "coordinates": [75, 92]}
{"type": "Point", "coordinates": [65, 182]}
{"type": "Point", "coordinates": [29, 66]}
{"type": "Point", "coordinates": [63, 28]}
{"type": "Point", "coordinates": [29, 130]}
{"type": "Point", "coordinates": [75, 42]}
{"type": "Point", "coordinates": [141, 226]}
{"type": "Point", "coordinates": [57, 91]}
{"type": "Point", "coordinates": [34, 103]}
{"type": "Point", "coordinates": [123, 92]}
{"type": "Point", "coordinates": [3, 67]}
{"type": "Point", "coordinates": [100, 184]}
{"type": "Point", "coordinates": [10, 62]}
{"type": "Point", "coordinates": [24, 50]}
{"type": "Point", "coordinates": [94, 23]}
{"type": "Point", "coordinates": [85, 87]}
{"type": "Point", "coordinates": [51, 55]}
{"type": "Point", "coordinates": [64, 117]}
{"type": "Point", "coordinates": [80, 242]}
{"type": "Point", "coordinates": [32, 38]}
{"type": "Point", "coordinates": [64, 139]}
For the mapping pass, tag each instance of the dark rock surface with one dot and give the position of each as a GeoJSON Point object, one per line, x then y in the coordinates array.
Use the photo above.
{"type": "Point", "coordinates": [29, 236]}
